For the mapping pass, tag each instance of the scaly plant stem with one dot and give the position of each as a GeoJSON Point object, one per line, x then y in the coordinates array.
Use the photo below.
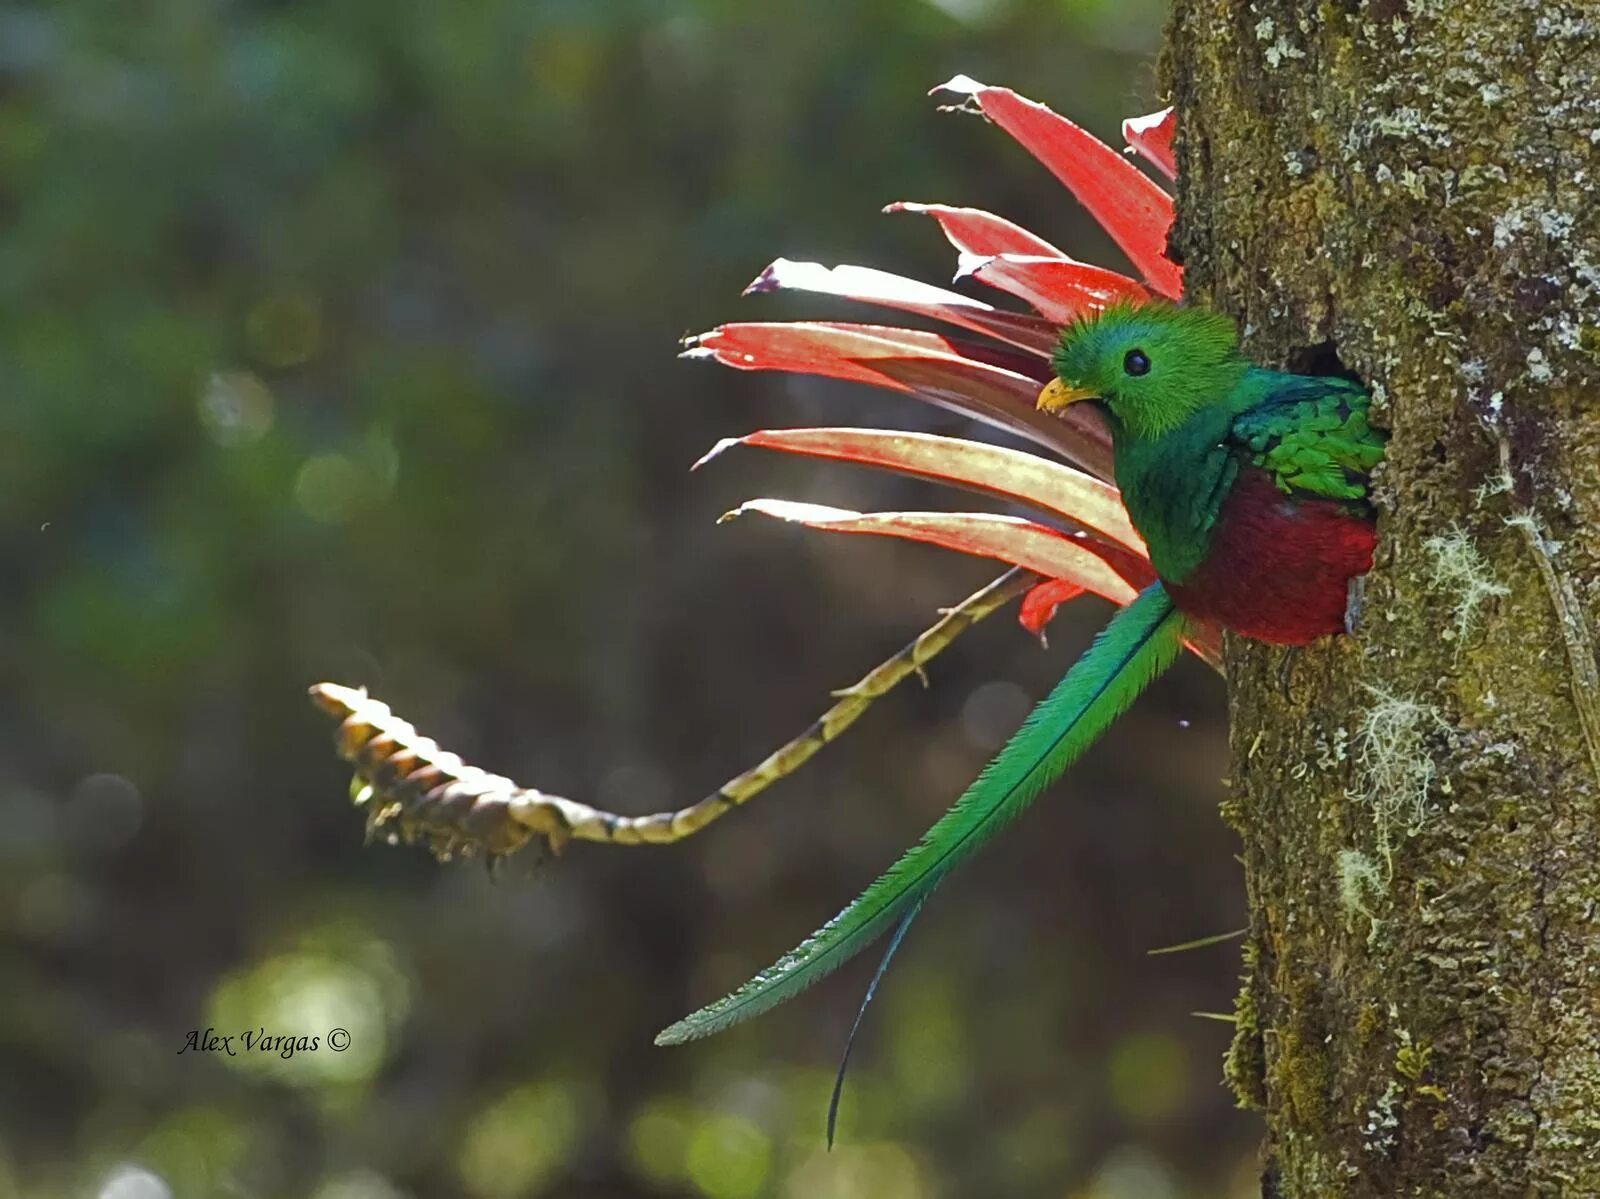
{"type": "Point", "coordinates": [416, 791]}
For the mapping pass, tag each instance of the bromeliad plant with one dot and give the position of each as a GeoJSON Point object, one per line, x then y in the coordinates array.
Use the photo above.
{"type": "Point", "coordinates": [413, 791]}
{"type": "Point", "coordinates": [1243, 504]}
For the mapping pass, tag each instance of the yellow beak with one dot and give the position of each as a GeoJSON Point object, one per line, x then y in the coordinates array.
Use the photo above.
{"type": "Point", "coordinates": [1057, 395]}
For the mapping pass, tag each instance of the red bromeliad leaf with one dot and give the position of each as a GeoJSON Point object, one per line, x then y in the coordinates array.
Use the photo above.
{"type": "Point", "coordinates": [1081, 435]}
{"type": "Point", "coordinates": [1010, 539]}
{"type": "Point", "coordinates": [1071, 563]}
{"type": "Point", "coordinates": [868, 286]}
{"type": "Point", "coordinates": [846, 350]}
{"type": "Point", "coordinates": [1205, 642]}
{"type": "Point", "coordinates": [927, 365]}
{"type": "Point", "coordinates": [992, 470]}
{"type": "Point", "coordinates": [1127, 203]}
{"type": "Point", "coordinates": [1061, 289]}
{"type": "Point", "coordinates": [993, 383]}
{"type": "Point", "coordinates": [1151, 136]}
{"type": "Point", "coordinates": [1041, 601]}
{"type": "Point", "coordinates": [974, 231]}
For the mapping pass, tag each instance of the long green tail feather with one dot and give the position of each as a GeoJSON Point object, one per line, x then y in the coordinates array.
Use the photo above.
{"type": "Point", "coordinates": [1140, 642]}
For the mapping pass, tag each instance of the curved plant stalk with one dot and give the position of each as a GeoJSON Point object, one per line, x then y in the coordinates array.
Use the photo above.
{"type": "Point", "coordinates": [415, 791]}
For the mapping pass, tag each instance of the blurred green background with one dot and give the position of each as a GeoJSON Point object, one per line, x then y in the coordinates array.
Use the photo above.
{"type": "Point", "coordinates": [337, 340]}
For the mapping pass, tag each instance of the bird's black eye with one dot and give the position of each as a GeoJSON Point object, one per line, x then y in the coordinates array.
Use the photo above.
{"type": "Point", "coordinates": [1136, 362]}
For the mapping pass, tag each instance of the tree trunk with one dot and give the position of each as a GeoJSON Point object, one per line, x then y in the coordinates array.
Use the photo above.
{"type": "Point", "coordinates": [1402, 189]}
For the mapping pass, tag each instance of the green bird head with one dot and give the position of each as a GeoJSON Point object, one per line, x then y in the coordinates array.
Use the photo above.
{"type": "Point", "coordinates": [1150, 366]}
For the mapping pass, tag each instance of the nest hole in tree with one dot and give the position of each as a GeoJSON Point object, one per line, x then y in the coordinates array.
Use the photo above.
{"type": "Point", "coordinates": [1321, 359]}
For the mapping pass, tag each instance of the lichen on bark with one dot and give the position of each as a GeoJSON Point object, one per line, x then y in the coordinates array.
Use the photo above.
{"type": "Point", "coordinates": [1402, 189]}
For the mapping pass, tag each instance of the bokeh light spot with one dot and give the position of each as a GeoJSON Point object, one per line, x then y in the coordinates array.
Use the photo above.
{"type": "Point", "coordinates": [729, 1157]}
{"type": "Point", "coordinates": [197, 1148]}
{"type": "Point", "coordinates": [658, 1139]}
{"type": "Point", "coordinates": [335, 487]}
{"type": "Point", "coordinates": [1133, 1173]}
{"type": "Point", "coordinates": [992, 713]}
{"type": "Point", "coordinates": [971, 12]}
{"type": "Point", "coordinates": [636, 786]}
{"type": "Point", "coordinates": [330, 488]}
{"type": "Point", "coordinates": [103, 812]}
{"type": "Point", "coordinates": [236, 408]}
{"type": "Point", "coordinates": [519, 1141]}
{"type": "Point", "coordinates": [133, 1182]}
{"type": "Point", "coordinates": [876, 1171]}
{"type": "Point", "coordinates": [338, 976]}
{"type": "Point", "coordinates": [1042, 1144]}
{"type": "Point", "coordinates": [358, 1184]}
{"type": "Point", "coordinates": [564, 61]}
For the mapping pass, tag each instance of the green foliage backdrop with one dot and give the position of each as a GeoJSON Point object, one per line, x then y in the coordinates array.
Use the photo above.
{"type": "Point", "coordinates": [337, 341]}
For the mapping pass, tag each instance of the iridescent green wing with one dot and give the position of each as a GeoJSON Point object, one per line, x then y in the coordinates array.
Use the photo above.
{"type": "Point", "coordinates": [1312, 435]}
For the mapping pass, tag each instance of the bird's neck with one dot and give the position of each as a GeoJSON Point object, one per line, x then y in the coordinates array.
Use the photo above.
{"type": "Point", "coordinates": [1173, 486]}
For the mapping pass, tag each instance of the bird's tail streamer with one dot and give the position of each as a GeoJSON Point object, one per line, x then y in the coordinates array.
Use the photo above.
{"type": "Point", "coordinates": [1141, 641]}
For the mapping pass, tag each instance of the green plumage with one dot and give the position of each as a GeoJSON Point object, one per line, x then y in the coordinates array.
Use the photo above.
{"type": "Point", "coordinates": [1139, 643]}
{"type": "Point", "coordinates": [1200, 411]}
{"type": "Point", "coordinates": [1313, 435]}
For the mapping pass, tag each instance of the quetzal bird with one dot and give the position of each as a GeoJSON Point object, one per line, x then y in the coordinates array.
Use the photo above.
{"type": "Point", "coordinates": [1250, 488]}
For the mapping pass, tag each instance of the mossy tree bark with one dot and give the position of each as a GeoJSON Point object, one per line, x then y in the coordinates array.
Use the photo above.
{"type": "Point", "coordinates": [1405, 189]}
